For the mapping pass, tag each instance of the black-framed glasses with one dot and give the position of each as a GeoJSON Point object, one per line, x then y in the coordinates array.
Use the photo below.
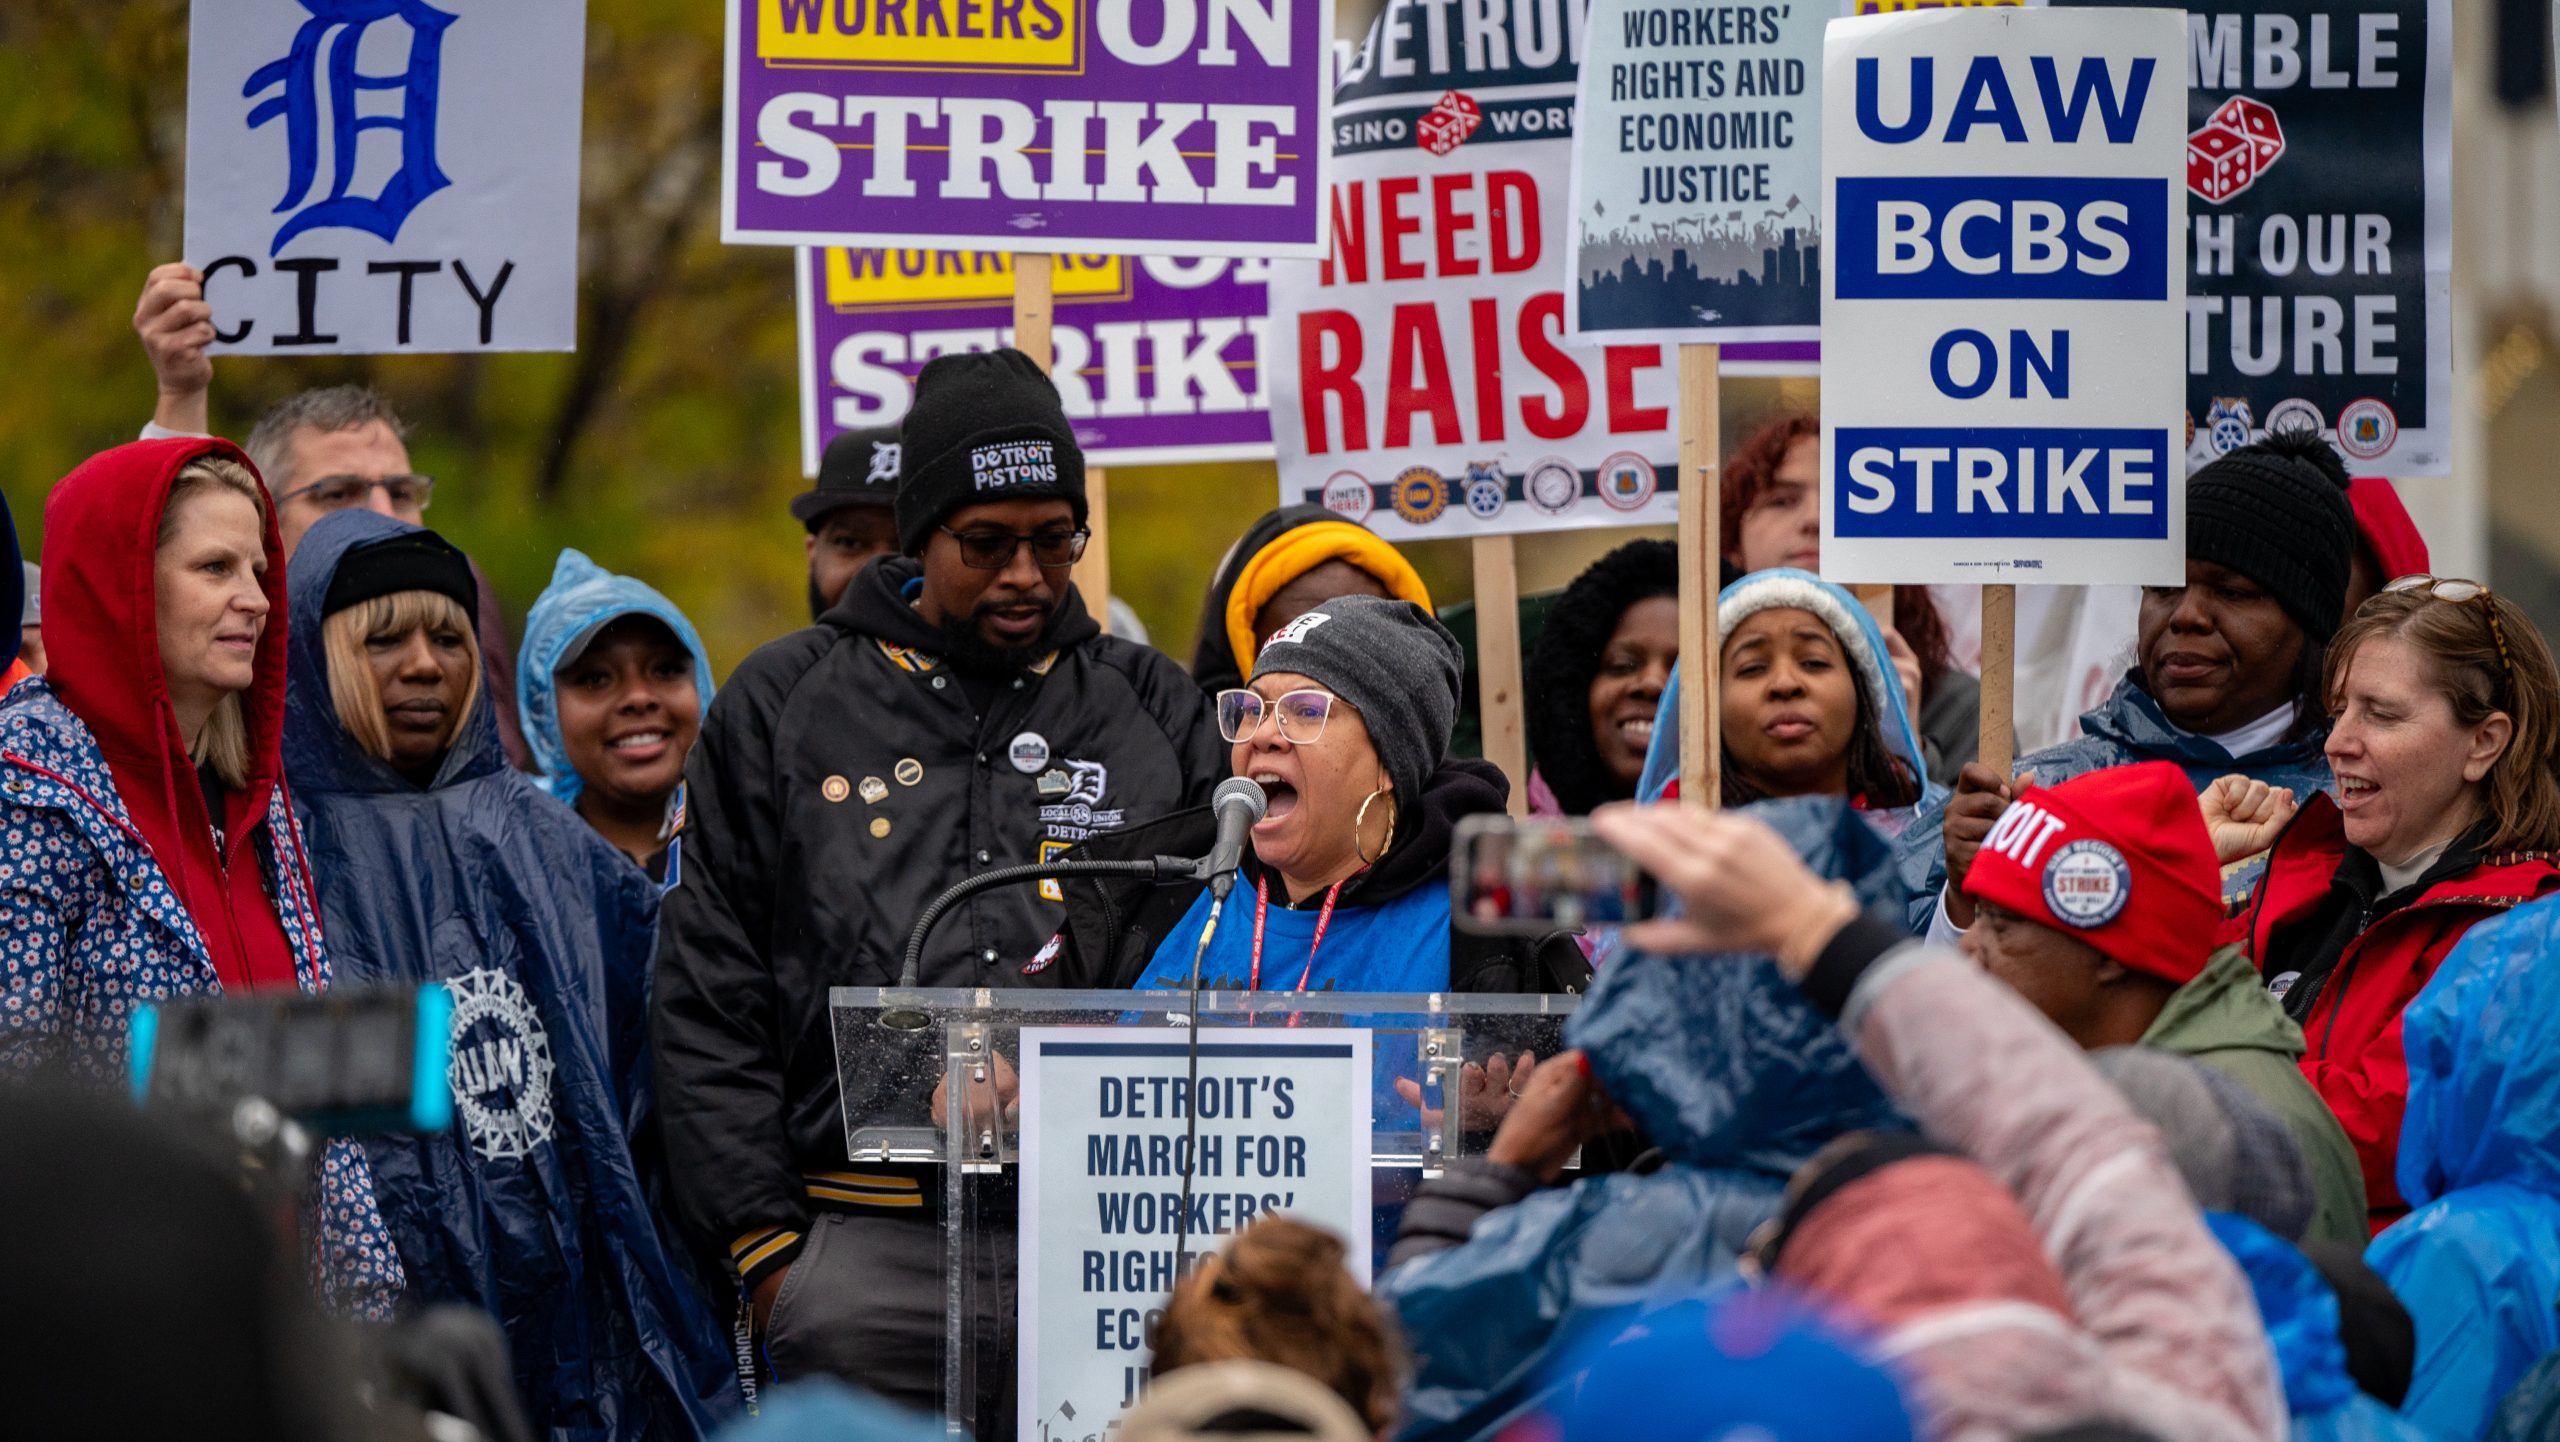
{"type": "Point", "coordinates": [1302, 715]}
{"type": "Point", "coordinates": [1054, 549]}
{"type": "Point", "coordinates": [337, 493]}
{"type": "Point", "coordinates": [2462, 593]}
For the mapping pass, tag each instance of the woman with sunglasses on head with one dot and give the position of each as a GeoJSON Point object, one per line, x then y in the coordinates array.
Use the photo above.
{"type": "Point", "coordinates": [2444, 732]}
{"type": "Point", "coordinates": [1345, 726]}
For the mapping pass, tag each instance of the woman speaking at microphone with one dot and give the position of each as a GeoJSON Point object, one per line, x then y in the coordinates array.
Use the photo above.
{"type": "Point", "coordinates": [1345, 884]}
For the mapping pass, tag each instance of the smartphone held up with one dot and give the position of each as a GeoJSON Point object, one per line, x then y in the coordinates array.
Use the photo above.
{"type": "Point", "coordinates": [1541, 874]}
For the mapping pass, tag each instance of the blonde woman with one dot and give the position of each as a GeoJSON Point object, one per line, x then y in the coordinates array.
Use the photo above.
{"type": "Point", "coordinates": [438, 862]}
{"type": "Point", "coordinates": [152, 850]}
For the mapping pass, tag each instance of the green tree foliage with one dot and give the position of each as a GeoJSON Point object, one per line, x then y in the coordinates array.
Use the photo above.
{"type": "Point", "coordinates": [666, 445]}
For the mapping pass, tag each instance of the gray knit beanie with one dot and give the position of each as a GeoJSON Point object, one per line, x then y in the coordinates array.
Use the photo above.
{"type": "Point", "coordinates": [1391, 662]}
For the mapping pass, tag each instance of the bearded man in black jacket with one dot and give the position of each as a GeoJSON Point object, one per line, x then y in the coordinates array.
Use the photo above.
{"type": "Point", "coordinates": [955, 712]}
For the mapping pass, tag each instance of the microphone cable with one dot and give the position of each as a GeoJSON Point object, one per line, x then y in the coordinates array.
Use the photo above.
{"type": "Point", "coordinates": [1191, 1106]}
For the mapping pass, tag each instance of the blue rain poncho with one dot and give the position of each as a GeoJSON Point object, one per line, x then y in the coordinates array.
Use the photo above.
{"type": "Point", "coordinates": [2478, 1259]}
{"type": "Point", "coordinates": [532, 1207]}
{"type": "Point", "coordinates": [1728, 1070]}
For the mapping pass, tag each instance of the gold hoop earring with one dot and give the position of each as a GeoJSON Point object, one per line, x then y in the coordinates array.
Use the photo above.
{"type": "Point", "coordinates": [1360, 827]}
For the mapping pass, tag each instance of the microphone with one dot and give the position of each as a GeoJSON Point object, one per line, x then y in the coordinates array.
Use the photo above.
{"type": "Point", "coordinates": [1238, 803]}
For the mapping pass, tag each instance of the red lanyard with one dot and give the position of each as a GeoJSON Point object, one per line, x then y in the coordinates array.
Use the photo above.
{"type": "Point", "coordinates": [1262, 908]}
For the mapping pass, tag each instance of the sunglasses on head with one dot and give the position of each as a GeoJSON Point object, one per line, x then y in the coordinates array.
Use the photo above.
{"type": "Point", "coordinates": [2461, 593]}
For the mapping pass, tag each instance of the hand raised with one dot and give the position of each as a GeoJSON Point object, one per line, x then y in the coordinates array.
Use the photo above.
{"type": "Point", "coordinates": [176, 325]}
{"type": "Point", "coordinates": [2244, 816]}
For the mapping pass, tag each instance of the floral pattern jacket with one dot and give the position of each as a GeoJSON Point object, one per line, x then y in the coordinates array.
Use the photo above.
{"type": "Point", "coordinates": [90, 929]}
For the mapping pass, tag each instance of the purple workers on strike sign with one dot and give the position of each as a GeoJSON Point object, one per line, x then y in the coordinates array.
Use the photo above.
{"type": "Point", "coordinates": [1169, 127]}
{"type": "Point", "coordinates": [1158, 360]}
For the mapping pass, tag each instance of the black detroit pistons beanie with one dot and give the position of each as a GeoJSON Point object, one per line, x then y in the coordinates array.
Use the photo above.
{"type": "Point", "coordinates": [2276, 512]}
{"type": "Point", "coordinates": [985, 426]}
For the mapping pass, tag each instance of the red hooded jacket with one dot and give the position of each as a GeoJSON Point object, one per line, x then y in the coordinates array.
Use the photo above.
{"type": "Point", "coordinates": [101, 617]}
{"type": "Point", "coordinates": [2354, 1058]}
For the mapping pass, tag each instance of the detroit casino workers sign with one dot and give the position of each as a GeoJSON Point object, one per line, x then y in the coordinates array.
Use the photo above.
{"type": "Point", "coordinates": [1420, 376]}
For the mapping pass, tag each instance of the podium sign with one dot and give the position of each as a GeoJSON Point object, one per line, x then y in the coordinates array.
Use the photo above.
{"type": "Point", "coordinates": [1107, 1120]}
{"type": "Point", "coordinates": [1057, 1237]}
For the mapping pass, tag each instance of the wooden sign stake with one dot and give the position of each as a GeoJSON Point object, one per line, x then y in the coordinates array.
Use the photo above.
{"type": "Point", "coordinates": [1506, 732]}
{"type": "Point", "coordinates": [1999, 677]}
{"type": "Point", "coordinates": [1031, 302]}
{"type": "Point", "coordinates": [1879, 603]}
{"type": "Point", "coordinates": [1701, 551]}
{"type": "Point", "coordinates": [1093, 573]}
{"type": "Point", "coordinates": [1033, 298]}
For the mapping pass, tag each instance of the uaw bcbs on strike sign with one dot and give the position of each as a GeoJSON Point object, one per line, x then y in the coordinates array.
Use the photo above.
{"type": "Point", "coordinates": [2004, 295]}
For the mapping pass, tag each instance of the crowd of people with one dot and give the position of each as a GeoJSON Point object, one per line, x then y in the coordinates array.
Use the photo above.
{"type": "Point", "coordinates": [2193, 1081]}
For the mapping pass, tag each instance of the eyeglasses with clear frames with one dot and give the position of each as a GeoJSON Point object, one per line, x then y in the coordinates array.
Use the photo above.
{"type": "Point", "coordinates": [1302, 715]}
{"type": "Point", "coordinates": [337, 493]}
{"type": "Point", "coordinates": [2462, 593]}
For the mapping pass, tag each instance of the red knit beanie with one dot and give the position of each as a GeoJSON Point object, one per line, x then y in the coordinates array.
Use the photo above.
{"type": "Point", "coordinates": [2118, 858]}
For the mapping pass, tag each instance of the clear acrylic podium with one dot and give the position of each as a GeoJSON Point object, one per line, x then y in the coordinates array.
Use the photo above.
{"type": "Point", "coordinates": [913, 1061]}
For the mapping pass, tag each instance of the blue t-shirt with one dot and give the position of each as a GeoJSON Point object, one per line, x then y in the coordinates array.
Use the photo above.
{"type": "Point", "coordinates": [1401, 946]}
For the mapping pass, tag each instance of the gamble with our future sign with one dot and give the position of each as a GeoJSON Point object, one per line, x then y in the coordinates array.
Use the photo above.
{"type": "Point", "coordinates": [2320, 173]}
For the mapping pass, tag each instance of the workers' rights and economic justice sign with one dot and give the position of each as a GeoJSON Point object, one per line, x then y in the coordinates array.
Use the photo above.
{"type": "Point", "coordinates": [1158, 360]}
{"type": "Point", "coordinates": [1697, 178]}
{"type": "Point", "coordinates": [1282, 1125]}
{"type": "Point", "coordinates": [2319, 174]}
{"type": "Point", "coordinates": [397, 175]}
{"type": "Point", "coordinates": [1421, 380]}
{"type": "Point", "coordinates": [1162, 127]}
{"type": "Point", "coordinates": [2004, 308]}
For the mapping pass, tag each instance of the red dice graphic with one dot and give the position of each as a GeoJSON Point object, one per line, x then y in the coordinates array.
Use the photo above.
{"type": "Point", "coordinates": [2219, 165]}
{"type": "Point", "coordinates": [1447, 124]}
{"type": "Point", "coordinates": [2256, 121]}
{"type": "Point", "coordinates": [2233, 148]}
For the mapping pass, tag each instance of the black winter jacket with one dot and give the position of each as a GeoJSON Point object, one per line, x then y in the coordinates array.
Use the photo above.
{"type": "Point", "coordinates": [1114, 924]}
{"type": "Point", "coordinates": [842, 781]}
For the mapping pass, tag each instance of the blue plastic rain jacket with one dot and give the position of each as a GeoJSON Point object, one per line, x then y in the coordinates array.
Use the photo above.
{"type": "Point", "coordinates": [531, 1207]}
{"type": "Point", "coordinates": [581, 598]}
{"type": "Point", "coordinates": [1901, 738]}
{"type": "Point", "coordinates": [822, 1409]}
{"type": "Point", "coordinates": [2478, 1260]}
{"type": "Point", "coordinates": [2301, 1316]}
{"type": "Point", "coordinates": [2531, 1412]}
{"type": "Point", "coordinates": [2129, 728]}
{"type": "Point", "coordinates": [1731, 1073]}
